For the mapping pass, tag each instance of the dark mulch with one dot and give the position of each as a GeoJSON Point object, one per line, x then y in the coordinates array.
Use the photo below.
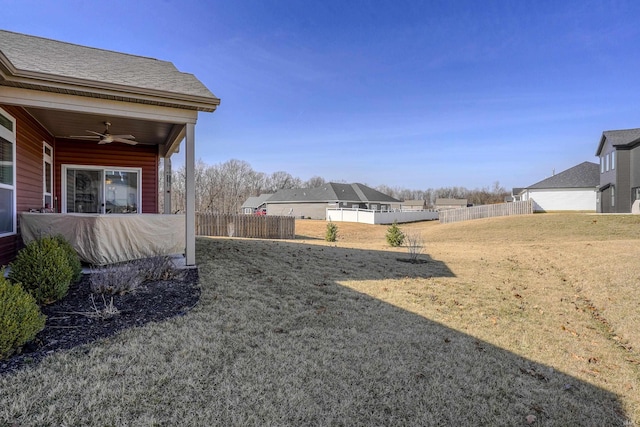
{"type": "Point", "coordinates": [72, 322]}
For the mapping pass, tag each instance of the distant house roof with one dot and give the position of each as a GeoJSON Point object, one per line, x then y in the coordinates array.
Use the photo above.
{"type": "Point", "coordinates": [332, 192]}
{"type": "Point", "coordinates": [451, 202]}
{"type": "Point", "coordinates": [584, 175]}
{"type": "Point", "coordinates": [618, 138]}
{"type": "Point", "coordinates": [32, 62]}
{"type": "Point", "coordinates": [517, 190]}
{"type": "Point", "coordinates": [254, 202]}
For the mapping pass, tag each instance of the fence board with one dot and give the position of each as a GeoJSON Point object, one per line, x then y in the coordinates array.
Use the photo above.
{"type": "Point", "coordinates": [253, 226]}
{"type": "Point", "coordinates": [486, 211]}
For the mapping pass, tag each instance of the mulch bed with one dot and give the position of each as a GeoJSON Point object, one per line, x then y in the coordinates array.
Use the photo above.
{"type": "Point", "coordinates": [73, 321]}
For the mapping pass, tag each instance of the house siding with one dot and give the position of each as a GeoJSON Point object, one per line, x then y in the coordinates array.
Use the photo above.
{"type": "Point", "coordinates": [71, 152]}
{"type": "Point", "coordinates": [312, 210]}
{"type": "Point", "coordinates": [29, 138]}
{"type": "Point", "coordinates": [563, 199]}
{"type": "Point", "coordinates": [29, 179]}
{"type": "Point", "coordinates": [623, 182]}
{"type": "Point", "coordinates": [634, 164]}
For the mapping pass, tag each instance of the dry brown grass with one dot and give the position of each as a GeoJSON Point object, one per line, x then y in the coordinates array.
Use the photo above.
{"type": "Point", "coordinates": [509, 318]}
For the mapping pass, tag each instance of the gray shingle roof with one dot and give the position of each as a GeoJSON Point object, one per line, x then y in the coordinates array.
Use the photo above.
{"type": "Point", "coordinates": [46, 59]}
{"type": "Point", "coordinates": [618, 138]}
{"type": "Point", "coordinates": [584, 175]}
{"type": "Point", "coordinates": [333, 192]}
{"type": "Point", "coordinates": [255, 202]}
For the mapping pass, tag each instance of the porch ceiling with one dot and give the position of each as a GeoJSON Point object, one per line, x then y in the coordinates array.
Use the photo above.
{"type": "Point", "coordinates": [62, 124]}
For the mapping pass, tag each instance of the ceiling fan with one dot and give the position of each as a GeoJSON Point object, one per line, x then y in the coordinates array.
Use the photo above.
{"type": "Point", "coordinates": [106, 137]}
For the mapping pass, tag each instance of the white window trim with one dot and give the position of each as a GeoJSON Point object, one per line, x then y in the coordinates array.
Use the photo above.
{"type": "Point", "coordinates": [613, 160]}
{"type": "Point", "coordinates": [47, 159]}
{"type": "Point", "coordinates": [102, 169]}
{"type": "Point", "coordinates": [11, 137]}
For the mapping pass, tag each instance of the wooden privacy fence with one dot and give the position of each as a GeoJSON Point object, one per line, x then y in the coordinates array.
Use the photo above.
{"type": "Point", "coordinates": [256, 226]}
{"type": "Point", "coordinates": [486, 211]}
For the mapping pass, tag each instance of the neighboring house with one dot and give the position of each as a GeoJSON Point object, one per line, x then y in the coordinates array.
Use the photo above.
{"type": "Point", "coordinates": [57, 150]}
{"type": "Point", "coordinates": [619, 173]}
{"type": "Point", "coordinates": [515, 194]}
{"type": "Point", "coordinates": [313, 202]}
{"type": "Point", "coordinates": [255, 203]}
{"type": "Point", "coordinates": [571, 190]}
{"type": "Point", "coordinates": [443, 203]}
{"type": "Point", "coordinates": [413, 205]}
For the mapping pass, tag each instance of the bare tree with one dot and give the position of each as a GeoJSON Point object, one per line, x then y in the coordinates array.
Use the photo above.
{"type": "Point", "coordinates": [281, 181]}
{"type": "Point", "coordinates": [315, 182]}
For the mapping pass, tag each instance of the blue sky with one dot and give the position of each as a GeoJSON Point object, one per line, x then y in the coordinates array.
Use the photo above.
{"type": "Point", "coordinates": [414, 94]}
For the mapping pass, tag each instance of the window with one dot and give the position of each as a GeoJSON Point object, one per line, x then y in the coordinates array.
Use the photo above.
{"type": "Point", "coordinates": [90, 189]}
{"type": "Point", "coordinates": [47, 176]}
{"type": "Point", "coordinates": [601, 164]}
{"type": "Point", "coordinates": [606, 163]}
{"type": "Point", "coordinates": [7, 174]}
{"type": "Point", "coordinates": [613, 196]}
{"type": "Point", "coordinates": [613, 160]}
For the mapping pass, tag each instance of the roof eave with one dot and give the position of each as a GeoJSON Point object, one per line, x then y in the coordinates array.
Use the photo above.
{"type": "Point", "coordinates": [56, 83]}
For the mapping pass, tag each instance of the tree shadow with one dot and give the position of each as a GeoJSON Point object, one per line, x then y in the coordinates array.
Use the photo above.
{"type": "Point", "coordinates": [360, 360]}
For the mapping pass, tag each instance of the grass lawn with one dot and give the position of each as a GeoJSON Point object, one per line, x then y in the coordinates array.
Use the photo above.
{"type": "Point", "coordinates": [529, 320]}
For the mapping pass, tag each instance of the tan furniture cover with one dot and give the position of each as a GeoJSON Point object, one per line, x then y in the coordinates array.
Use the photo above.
{"type": "Point", "coordinates": [107, 239]}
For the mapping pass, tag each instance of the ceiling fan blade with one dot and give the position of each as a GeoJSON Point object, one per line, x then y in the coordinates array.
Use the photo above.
{"type": "Point", "coordinates": [83, 137]}
{"type": "Point", "coordinates": [123, 136]}
{"type": "Point", "coordinates": [125, 141]}
{"type": "Point", "coordinates": [96, 133]}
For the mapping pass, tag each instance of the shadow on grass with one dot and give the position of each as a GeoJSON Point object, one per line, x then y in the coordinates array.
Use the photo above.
{"type": "Point", "coordinates": [339, 356]}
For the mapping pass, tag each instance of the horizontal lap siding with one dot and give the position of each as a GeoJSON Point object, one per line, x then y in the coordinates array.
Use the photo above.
{"type": "Point", "coordinates": [90, 153]}
{"type": "Point", "coordinates": [29, 138]}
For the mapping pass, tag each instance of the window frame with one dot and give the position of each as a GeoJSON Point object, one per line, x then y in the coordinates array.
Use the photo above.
{"type": "Point", "coordinates": [47, 159]}
{"type": "Point", "coordinates": [10, 136]}
{"type": "Point", "coordinates": [102, 169]}
{"type": "Point", "coordinates": [613, 160]}
{"type": "Point", "coordinates": [613, 196]}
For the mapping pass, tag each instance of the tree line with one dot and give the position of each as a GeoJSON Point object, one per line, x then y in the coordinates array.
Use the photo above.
{"type": "Point", "coordinates": [224, 187]}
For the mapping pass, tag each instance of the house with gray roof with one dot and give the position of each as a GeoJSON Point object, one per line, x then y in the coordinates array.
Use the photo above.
{"type": "Point", "coordinates": [83, 131]}
{"type": "Point", "coordinates": [255, 203]}
{"type": "Point", "coordinates": [619, 172]}
{"type": "Point", "coordinates": [313, 202]}
{"type": "Point", "coordinates": [574, 189]}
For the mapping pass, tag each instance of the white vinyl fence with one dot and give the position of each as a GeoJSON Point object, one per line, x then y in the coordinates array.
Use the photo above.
{"type": "Point", "coordinates": [486, 211]}
{"type": "Point", "coordinates": [368, 216]}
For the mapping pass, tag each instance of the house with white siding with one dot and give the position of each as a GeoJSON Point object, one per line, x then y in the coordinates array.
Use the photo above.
{"type": "Point", "coordinates": [574, 189]}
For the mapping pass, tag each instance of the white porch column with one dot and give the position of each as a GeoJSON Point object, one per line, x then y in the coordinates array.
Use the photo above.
{"type": "Point", "coordinates": [190, 208]}
{"type": "Point", "coordinates": [167, 185]}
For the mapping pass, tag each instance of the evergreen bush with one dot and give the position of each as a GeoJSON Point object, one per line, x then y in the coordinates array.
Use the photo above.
{"type": "Point", "coordinates": [20, 317]}
{"type": "Point", "coordinates": [72, 257]}
{"type": "Point", "coordinates": [43, 270]}
{"type": "Point", "coordinates": [395, 236]}
{"type": "Point", "coordinates": [332, 232]}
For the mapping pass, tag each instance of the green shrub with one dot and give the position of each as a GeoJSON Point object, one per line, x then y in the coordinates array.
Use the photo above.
{"type": "Point", "coordinates": [332, 232]}
{"type": "Point", "coordinates": [72, 257]}
{"type": "Point", "coordinates": [20, 317]}
{"type": "Point", "coordinates": [395, 236]}
{"type": "Point", "coordinates": [43, 270]}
